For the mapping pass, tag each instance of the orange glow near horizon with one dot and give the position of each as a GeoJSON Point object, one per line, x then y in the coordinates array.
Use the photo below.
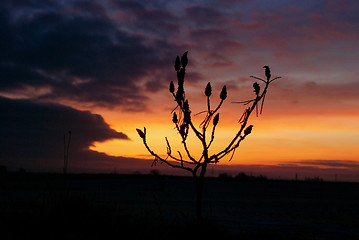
{"type": "Point", "coordinates": [274, 140]}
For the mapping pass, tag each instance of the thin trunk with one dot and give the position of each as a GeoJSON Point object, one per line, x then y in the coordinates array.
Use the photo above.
{"type": "Point", "coordinates": [199, 184]}
{"type": "Point", "coordinates": [199, 196]}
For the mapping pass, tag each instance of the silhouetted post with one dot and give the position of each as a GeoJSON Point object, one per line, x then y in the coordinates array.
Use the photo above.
{"type": "Point", "coordinates": [66, 151]}
{"type": "Point", "coordinates": [66, 161]}
{"type": "Point", "coordinates": [182, 119]}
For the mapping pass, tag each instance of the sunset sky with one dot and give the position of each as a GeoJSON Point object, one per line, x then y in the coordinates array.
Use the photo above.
{"type": "Point", "coordinates": [102, 69]}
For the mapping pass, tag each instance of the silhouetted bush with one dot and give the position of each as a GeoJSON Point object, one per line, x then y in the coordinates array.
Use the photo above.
{"type": "Point", "coordinates": [224, 176]}
{"type": "Point", "coordinates": [155, 172]}
{"type": "Point", "coordinates": [244, 177]}
{"type": "Point", "coordinates": [313, 179]}
{"type": "Point", "coordinates": [182, 119]}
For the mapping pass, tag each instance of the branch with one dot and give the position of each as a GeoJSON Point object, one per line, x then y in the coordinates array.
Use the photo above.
{"type": "Point", "coordinates": [185, 146]}
{"type": "Point", "coordinates": [212, 136]}
{"type": "Point", "coordinates": [198, 134]}
{"type": "Point", "coordinates": [169, 153]}
{"type": "Point", "coordinates": [244, 119]}
{"type": "Point", "coordinates": [215, 122]}
{"type": "Point", "coordinates": [260, 79]}
{"type": "Point", "coordinates": [158, 158]}
{"type": "Point", "coordinates": [274, 79]}
{"type": "Point", "coordinates": [233, 148]}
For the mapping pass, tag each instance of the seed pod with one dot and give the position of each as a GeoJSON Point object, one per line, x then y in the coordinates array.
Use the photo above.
{"type": "Point", "coordinates": [180, 76]}
{"type": "Point", "coordinates": [179, 98]}
{"type": "Point", "coordinates": [216, 119]}
{"type": "Point", "coordinates": [256, 87]}
{"type": "Point", "coordinates": [186, 106]}
{"type": "Point", "coordinates": [172, 87]}
{"type": "Point", "coordinates": [177, 64]}
{"type": "Point", "coordinates": [248, 130]}
{"type": "Point", "coordinates": [208, 90]}
{"type": "Point", "coordinates": [223, 94]}
{"type": "Point", "coordinates": [187, 117]}
{"type": "Point", "coordinates": [174, 118]}
{"type": "Point", "coordinates": [267, 72]}
{"type": "Point", "coordinates": [184, 59]}
{"type": "Point", "coordinates": [142, 135]}
{"type": "Point", "coordinates": [182, 130]}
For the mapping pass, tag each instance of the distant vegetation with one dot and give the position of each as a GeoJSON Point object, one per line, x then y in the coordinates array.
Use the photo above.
{"type": "Point", "coordinates": [244, 177]}
{"type": "Point", "coordinates": [241, 176]}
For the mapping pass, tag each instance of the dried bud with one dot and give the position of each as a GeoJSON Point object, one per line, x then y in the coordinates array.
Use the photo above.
{"type": "Point", "coordinates": [186, 106]}
{"type": "Point", "coordinates": [216, 119]}
{"type": "Point", "coordinates": [187, 117]}
{"type": "Point", "coordinates": [223, 94]}
{"type": "Point", "coordinates": [267, 72]}
{"type": "Point", "coordinates": [177, 64]}
{"type": "Point", "coordinates": [174, 118]}
{"type": "Point", "coordinates": [248, 130]}
{"type": "Point", "coordinates": [256, 87]}
{"type": "Point", "coordinates": [182, 130]}
{"type": "Point", "coordinates": [172, 87]}
{"type": "Point", "coordinates": [208, 90]}
{"type": "Point", "coordinates": [142, 134]}
{"type": "Point", "coordinates": [180, 76]}
{"type": "Point", "coordinates": [179, 94]}
{"type": "Point", "coordinates": [184, 59]}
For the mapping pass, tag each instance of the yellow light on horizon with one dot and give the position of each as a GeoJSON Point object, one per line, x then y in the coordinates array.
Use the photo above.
{"type": "Point", "coordinates": [271, 142]}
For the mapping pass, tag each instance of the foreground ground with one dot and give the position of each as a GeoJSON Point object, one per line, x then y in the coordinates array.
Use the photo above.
{"type": "Point", "coordinates": [47, 206]}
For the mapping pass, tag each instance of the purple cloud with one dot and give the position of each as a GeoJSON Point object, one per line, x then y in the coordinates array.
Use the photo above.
{"type": "Point", "coordinates": [109, 53]}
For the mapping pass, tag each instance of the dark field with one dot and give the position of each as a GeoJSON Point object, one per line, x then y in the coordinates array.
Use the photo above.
{"type": "Point", "coordinates": [162, 207]}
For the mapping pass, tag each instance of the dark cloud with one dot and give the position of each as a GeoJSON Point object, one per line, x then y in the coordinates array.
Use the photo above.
{"type": "Point", "coordinates": [303, 98]}
{"type": "Point", "coordinates": [80, 55]}
{"type": "Point", "coordinates": [353, 165]}
{"type": "Point", "coordinates": [207, 34]}
{"type": "Point", "coordinates": [150, 18]}
{"type": "Point", "coordinates": [112, 53]}
{"type": "Point", "coordinates": [32, 134]}
{"type": "Point", "coordinates": [204, 16]}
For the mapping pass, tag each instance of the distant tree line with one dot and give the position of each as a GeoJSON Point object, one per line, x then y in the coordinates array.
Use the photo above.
{"type": "Point", "coordinates": [243, 177]}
